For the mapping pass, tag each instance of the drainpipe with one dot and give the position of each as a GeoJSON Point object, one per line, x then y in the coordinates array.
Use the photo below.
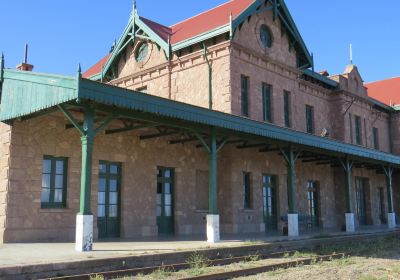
{"type": "Point", "coordinates": [210, 103]}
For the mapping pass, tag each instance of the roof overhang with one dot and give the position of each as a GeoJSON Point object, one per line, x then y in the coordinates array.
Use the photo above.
{"type": "Point", "coordinates": [25, 94]}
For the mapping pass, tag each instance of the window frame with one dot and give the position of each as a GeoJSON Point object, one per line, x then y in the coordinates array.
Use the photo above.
{"type": "Point", "coordinates": [375, 135]}
{"type": "Point", "coordinates": [247, 201]}
{"type": "Point", "coordinates": [244, 95]}
{"type": "Point", "coordinates": [286, 108]}
{"type": "Point", "coordinates": [310, 119]}
{"type": "Point", "coordinates": [267, 93]}
{"type": "Point", "coordinates": [358, 129]}
{"type": "Point", "coordinates": [51, 203]}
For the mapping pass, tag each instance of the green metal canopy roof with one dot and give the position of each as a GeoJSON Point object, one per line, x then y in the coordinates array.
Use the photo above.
{"type": "Point", "coordinates": [26, 93]}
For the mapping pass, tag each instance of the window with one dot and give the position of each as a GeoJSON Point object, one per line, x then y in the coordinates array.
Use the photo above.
{"type": "Point", "coordinates": [265, 36]}
{"type": "Point", "coordinates": [358, 128]}
{"type": "Point", "coordinates": [375, 134]}
{"type": "Point", "coordinates": [247, 190]}
{"type": "Point", "coordinates": [267, 102]}
{"type": "Point", "coordinates": [310, 119]}
{"type": "Point", "coordinates": [244, 95]}
{"type": "Point", "coordinates": [142, 52]}
{"type": "Point", "coordinates": [286, 108]}
{"type": "Point", "coordinates": [54, 182]}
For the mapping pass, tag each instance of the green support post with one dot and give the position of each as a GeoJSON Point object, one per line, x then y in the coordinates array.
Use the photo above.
{"type": "Point", "coordinates": [87, 157]}
{"type": "Point", "coordinates": [212, 155]}
{"type": "Point", "coordinates": [389, 185]}
{"type": "Point", "coordinates": [348, 168]}
{"type": "Point", "coordinates": [291, 180]}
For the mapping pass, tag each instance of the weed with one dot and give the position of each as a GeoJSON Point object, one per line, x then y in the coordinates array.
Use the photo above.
{"type": "Point", "coordinates": [96, 277]}
{"type": "Point", "coordinates": [198, 263]}
{"type": "Point", "coordinates": [161, 273]}
{"type": "Point", "coordinates": [252, 258]}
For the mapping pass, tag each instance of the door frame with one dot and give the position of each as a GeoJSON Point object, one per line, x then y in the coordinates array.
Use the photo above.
{"type": "Point", "coordinates": [119, 196]}
{"type": "Point", "coordinates": [172, 179]}
{"type": "Point", "coordinates": [275, 206]}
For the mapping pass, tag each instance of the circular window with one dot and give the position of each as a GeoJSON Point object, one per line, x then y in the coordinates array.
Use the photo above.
{"type": "Point", "coordinates": [265, 36]}
{"type": "Point", "coordinates": [142, 52]}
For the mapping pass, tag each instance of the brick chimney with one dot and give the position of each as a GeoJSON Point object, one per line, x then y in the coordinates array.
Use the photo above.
{"type": "Point", "coordinates": [24, 66]}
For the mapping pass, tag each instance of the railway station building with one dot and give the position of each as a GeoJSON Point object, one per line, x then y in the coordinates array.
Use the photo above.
{"type": "Point", "coordinates": [216, 125]}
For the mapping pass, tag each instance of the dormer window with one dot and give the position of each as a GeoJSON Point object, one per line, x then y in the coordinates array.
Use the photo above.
{"type": "Point", "coordinates": [142, 52]}
{"type": "Point", "coordinates": [265, 36]}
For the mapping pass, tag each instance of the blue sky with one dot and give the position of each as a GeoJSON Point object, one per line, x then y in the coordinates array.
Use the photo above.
{"type": "Point", "coordinates": [62, 34]}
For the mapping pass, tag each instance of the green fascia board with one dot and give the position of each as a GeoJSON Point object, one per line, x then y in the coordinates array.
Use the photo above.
{"type": "Point", "coordinates": [381, 105]}
{"type": "Point", "coordinates": [123, 98]}
{"type": "Point", "coordinates": [252, 9]}
{"type": "Point", "coordinates": [134, 20]}
{"type": "Point", "coordinates": [25, 93]}
{"type": "Point", "coordinates": [320, 78]}
{"type": "Point", "coordinates": [95, 77]}
{"type": "Point", "coordinates": [287, 13]}
{"type": "Point", "coordinates": [202, 37]}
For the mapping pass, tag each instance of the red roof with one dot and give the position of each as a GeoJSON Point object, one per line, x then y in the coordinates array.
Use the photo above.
{"type": "Point", "coordinates": [189, 28]}
{"type": "Point", "coordinates": [163, 31]}
{"type": "Point", "coordinates": [386, 91]}
{"type": "Point", "coordinates": [95, 69]}
{"type": "Point", "coordinates": [209, 20]}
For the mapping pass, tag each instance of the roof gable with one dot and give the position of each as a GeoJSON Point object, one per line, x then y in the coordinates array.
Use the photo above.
{"type": "Point", "coordinates": [225, 18]}
{"type": "Point", "coordinates": [137, 27]}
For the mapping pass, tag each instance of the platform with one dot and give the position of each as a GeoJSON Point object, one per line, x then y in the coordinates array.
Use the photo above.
{"type": "Point", "coordinates": [56, 257]}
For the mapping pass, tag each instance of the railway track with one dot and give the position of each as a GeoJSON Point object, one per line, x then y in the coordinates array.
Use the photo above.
{"type": "Point", "coordinates": [216, 262]}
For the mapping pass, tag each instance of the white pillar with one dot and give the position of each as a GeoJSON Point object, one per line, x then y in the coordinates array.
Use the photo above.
{"type": "Point", "coordinates": [213, 234]}
{"type": "Point", "coordinates": [293, 225]}
{"type": "Point", "coordinates": [392, 220]}
{"type": "Point", "coordinates": [350, 226]}
{"type": "Point", "coordinates": [84, 233]}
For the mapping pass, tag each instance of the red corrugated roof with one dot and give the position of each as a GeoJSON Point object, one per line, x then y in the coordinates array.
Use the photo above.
{"type": "Point", "coordinates": [192, 27]}
{"type": "Point", "coordinates": [96, 69]}
{"type": "Point", "coordinates": [207, 21]}
{"type": "Point", "coordinates": [386, 91]}
{"type": "Point", "coordinates": [161, 30]}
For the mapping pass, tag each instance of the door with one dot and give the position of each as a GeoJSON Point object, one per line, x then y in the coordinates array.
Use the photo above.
{"type": "Point", "coordinates": [313, 204]}
{"type": "Point", "coordinates": [360, 202]}
{"type": "Point", "coordinates": [108, 200]}
{"type": "Point", "coordinates": [269, 190]}
{"type": "Point", "coordinates": [165, 200]}
{"type": "Point", "coordinates": [382, 213]}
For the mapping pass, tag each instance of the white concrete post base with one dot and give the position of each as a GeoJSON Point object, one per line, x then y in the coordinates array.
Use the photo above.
{"type": "Point", "coordinates": [293, 225]}
{"type": "Point", "coordinates": [350, 225]}
{"type": "Point", "coordinates": [392, 220]}
{"type": "Point", "coordinates": [213, 228]}
{"type": "Point", "coordinates": [84, 233]}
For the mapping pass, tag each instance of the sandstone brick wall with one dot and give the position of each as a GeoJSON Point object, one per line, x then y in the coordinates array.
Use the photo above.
{"type": "Point", "coordinates": [5, 141]}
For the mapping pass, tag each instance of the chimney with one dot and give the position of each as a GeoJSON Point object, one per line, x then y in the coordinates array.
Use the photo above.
{"type": "Point", "coordinates": [24, 66]}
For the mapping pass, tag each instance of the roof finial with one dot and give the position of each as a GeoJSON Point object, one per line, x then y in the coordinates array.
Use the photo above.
{"type": "Point", "coordinates": [79, 70]}
{"type": "Point", "coordinates": [134, 8]}
{"type": "Point", "coordinates": [1, 67]}
{"type": "Point", "coordinates": [351, 54]}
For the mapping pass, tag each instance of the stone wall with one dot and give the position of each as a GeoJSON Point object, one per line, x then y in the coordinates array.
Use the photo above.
{"type": "Point", "coordinates": [31, 139]}
{"type": "Point", "coordinates": [5, 141]}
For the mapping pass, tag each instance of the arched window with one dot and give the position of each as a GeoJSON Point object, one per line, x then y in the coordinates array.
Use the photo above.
{"type": "Point", "coordinates": [265, 36]}
{"type": "Point", "coordinates": [142, 52]}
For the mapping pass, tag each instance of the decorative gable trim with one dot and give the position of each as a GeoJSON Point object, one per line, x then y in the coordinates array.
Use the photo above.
{"type": "Point", "coordinates": [131, 32]}
{"type": "Point", "coordinates": [280, 11]}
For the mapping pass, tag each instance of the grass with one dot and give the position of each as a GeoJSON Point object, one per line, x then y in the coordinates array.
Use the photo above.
{"type": "Point", "coordinates": [198, 264]}
{"type": "Point", "coordinates": [96, 277]}
{"type": "Point", "coordinates": [160, 273]}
